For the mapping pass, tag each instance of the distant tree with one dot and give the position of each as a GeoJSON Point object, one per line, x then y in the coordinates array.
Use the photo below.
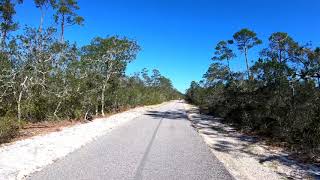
{"type": "Point", "coordinates": [66, 15]}
{"type": "Point", "coordinates": [42, 5]}
{"type": "Point", "coordinates": [217, 73]}
{"type": "Point", "coordinates": [224, 52]}
{"type": "Point", "coordinates": [246, 39]}
{"type": "Point", "coordinates": [283, 100]}
{"type": "Point", "coordinates": [306, 62]}
{"type": "Point", "coordinates": [145, 77]}
{"type": "Point", "coordinates": [281, 47]}
{"type": "Point", "coordinates": [194, 93]}
{"type": "Point", "coordinates": [315, 64]}
{"type": "Point", "coordinates": [155, 77]}
{"type": "Point", "coordinates": [7, 11]}
{"type": "Point", "coordinates": [109, 58]}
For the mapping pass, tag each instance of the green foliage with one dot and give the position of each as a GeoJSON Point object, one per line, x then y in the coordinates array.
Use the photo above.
{"type": "Point", "coordinates": [8, 129]}
{"type": "Point", "coordinates": [43, 78]}
{"type": "Point", "coordinates": [66, 14]}
{"type": "Point", "coordinates": [245, 40]}
{"type": "Point", "coordinates": [281, 101]}
{"type": "Point", "coordinates": [224, 52]}
{"type": "Point", "coordinates": [7, 11]}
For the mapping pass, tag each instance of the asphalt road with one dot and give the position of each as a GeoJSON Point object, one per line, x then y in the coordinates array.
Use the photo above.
{"type": "Point", "coordinates": [161, 144]}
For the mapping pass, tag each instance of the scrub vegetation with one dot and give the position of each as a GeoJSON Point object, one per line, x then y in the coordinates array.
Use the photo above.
{"type": "Point", "coordinates": [278, 96]}
{"type": "Point", "coordinates": [44, 77]}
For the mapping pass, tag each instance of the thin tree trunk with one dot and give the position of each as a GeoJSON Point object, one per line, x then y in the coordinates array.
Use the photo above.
{"type": "Point", "coordinates": [56, 110]}
{"type": "Point", "coordinates": [41, 20]}
{"type": "Point", "coordinates": [97, 109]}
{"type": "Point", "coordinates": [23, 84]}
{"type": "Point", "coordinates": [116, 103]}
{"type": "Point", "coordinates": [102, 99]}
{"type": "Point", "coordinates": [247, 64]}
{"type": "Point", "coordinates": [40, 30]}
{"type": "Point", "coordinates": [103, 91]}
{"type": "Point", "coordinates": [62, 29]}
{"type": "Point", "coordinates": [3, 38]}
{"type": "Point", "coordinates": [229, 68]}
{"type": "Point", "coordinates": [86, 115]}
{"type": "Point", "coordinates": [19, 107]}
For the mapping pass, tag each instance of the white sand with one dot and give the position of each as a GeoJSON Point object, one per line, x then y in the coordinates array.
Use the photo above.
{"type": "Point", "coordinates": [27, 156]}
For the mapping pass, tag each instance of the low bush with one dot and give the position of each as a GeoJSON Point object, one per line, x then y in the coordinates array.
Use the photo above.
{"type": "Point", "coordinates": [9, 129]}
{"type": "Point", "coordinates": [279, 98]}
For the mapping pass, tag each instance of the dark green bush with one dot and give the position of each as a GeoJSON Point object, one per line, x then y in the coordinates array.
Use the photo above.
{"type": "Point", "coordinates": [9, 129]}
{"type": "Point", "coordinates": [279, 98]}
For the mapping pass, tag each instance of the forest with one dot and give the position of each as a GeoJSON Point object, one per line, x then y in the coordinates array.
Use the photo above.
{"type": "Point", "coordinates": [44, 77]}
{"type": "Point", "coordinates": [277, 96]}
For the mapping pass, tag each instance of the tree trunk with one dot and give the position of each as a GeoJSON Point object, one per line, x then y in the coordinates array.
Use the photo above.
{"type": "Point", "coordinates": [247, 63]}
{"type": "Point", "coordinates": [56, 110]}
{"type": "Point", "coordinates": [229, 68]}
{"type": "Point", "coordinates": [41, 20]}
{"type": "Point", "coordinates": [86, 115]}
{"type": "Point", "coordinates": [3, 38]}
{"type": "Point", "coordinates": [116, 103]}
{"type": "Point", "coordinates": [97, 113]}
{"type": "Point", "coordinates": [102, 99]}
{"type": "Point", "coordinates": [23, 86]}
{"type": "Point", "coordinates": [62, 29]}
{"type": "Point", "coordinates": [19, 107]}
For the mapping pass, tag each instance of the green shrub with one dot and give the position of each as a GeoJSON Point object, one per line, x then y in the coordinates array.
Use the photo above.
{"type": "Point", "coordinates": [9, 129]}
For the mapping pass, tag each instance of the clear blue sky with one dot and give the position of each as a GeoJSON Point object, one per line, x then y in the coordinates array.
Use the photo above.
{"type": "Point", "coordinates": [177, 36]}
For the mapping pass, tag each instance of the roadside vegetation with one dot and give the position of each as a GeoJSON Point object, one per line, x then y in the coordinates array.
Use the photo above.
{"type": "Point", "coordinates": [44, 77]}
{"type": "Point", "coordinates": [278, 96]}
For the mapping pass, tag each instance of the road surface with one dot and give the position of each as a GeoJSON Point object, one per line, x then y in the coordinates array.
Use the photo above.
{"type": "Point", "coordinates": [160, 144]}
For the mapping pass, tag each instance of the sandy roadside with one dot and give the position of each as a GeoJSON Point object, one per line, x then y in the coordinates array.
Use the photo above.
{"type": "Point", "coordinates": [23, 157]}
{"type": "Point", "coordinates": [244, 156]}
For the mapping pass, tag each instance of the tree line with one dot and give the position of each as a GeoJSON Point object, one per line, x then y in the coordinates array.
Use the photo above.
{"type": "Point", "coordinates": [43, 77]}
{"type": "Point", "coordinates": [277, 96]}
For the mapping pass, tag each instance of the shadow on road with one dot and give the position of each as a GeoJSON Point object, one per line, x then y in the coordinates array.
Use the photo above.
{"type": "Point", "coordinates": [172, 115]}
